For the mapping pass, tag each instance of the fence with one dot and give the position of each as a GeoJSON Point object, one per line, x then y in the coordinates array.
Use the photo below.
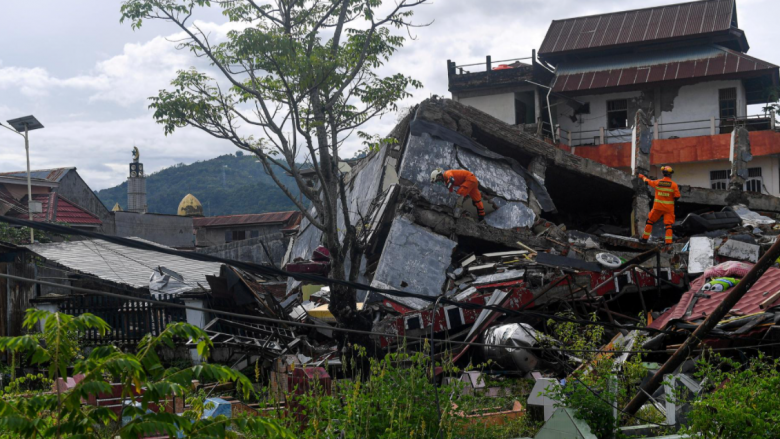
{"type": "Point", "coordinates": [703, 127]}
{"type": "Point", "coordinates": [129, 320]}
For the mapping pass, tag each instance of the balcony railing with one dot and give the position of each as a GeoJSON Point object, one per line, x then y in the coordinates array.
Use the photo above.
{"type": "Point", "coordinates": [669, 130]}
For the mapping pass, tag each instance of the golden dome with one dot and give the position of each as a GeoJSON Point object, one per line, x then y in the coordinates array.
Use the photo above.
{"type": "Point", "coordinates": [190, 206]}
{"type": "Point", "coordinates": [117, 208]}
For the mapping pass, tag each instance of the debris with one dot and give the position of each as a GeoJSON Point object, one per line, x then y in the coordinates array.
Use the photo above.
{"type": "Point", "coordinates": [561, 261]}
{"type": "Point", "coordinates": [521, 335]}
{"type": "Point", "coordinates": [740, 251]}
{"type": "Point", "coordinates": [609, 260]}
{"type": "Point", "coordinates": [701, 254]}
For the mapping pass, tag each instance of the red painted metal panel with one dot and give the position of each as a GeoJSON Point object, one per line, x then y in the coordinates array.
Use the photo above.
{"type": "Point", "coordinates": [723, 16]}
{"type": "Point", "coordinates": [573, 82]}
{"type": "Point", "coordinates": [613, 30]}
{"type": "Point", "coordinates": [600, 80]}
{"type": "Point", "coordinates": [614, 76]}
{"type": "Point", "coordinates": [700, 69]}
{"type": "Point", "coordinates": [638, 29]}
{"type": "Point", "coordinates": [717, 65]}
{"type": "Point", "coordinates": [642, 75]}
{"type": "Point", "coordinates": [732, 62]}
{"type": "Point", "coordinates": [550, 40]}
{"type": "Point", "coordinates": [628, 26]}
{"type": "Point", "coordinates": [695, 18]}
{"type": "Point", "coordinates": [648, 24]}
{"type": "Point", "coordinates": [746, 64]}
{"type": "Point", "coordinates": [627, 77]}
{"type": "Point", "coordinates": [657, 73]}
{"type": "Point", "coordinates": [671, 71]}
{"type": "Point", "coordinates": [686, 69]}
{"type": "Point", "coordinates": [666, 27]}
{"type": "Point", "coordinates": [587, 81]}
{"type": "Point", "coordinates": [682, 20]}
{"type": "Point", "coordinates": [587, 33]}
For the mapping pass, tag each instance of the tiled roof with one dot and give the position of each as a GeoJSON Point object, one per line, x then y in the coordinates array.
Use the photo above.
{"type": "Point", "coordinates": [749, 304]}
{"type": "Point", "coordinates": [52, 175]}
{"type": "Point", "coordinates": [710, 61]}
{"type": "Point", "coordinates": [245, 219]}
{"type": "Point", "coordinates": [642, 25]}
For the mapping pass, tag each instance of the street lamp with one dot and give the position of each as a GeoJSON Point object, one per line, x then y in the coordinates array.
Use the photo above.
{"type": "Point", "coordinates": [25, 125]}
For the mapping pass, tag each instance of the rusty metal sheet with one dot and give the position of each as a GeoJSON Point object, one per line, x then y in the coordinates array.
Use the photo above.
{"type": "Point", "coordinates": [644, 25]}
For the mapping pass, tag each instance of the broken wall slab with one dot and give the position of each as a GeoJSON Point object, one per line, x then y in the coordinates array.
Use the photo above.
{"type": "Point", "coordinates": [414, 260]}
{"type": "Point", "coordinates": [497, 177]}
{"type": "Point", "coordinates": [701, 254]}
{"type": "Point", "coordinates": [740, 251]}
{"type": "Point", "coordinates": [423, 154]}
{"type": "Point", "coordinates": [511, 215]}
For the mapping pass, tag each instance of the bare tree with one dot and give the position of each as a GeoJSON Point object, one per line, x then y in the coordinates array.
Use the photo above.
{"type": "Point", "coordinates": [304, 74]}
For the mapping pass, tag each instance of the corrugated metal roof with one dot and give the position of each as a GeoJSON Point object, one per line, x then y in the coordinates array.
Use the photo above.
{"type": "Point", "coordinates": [123, 265]}
{"type": "Point", "coordinates": [748, 304]}
{"type": "Point", "coordinates": [233, 220]}
{"type": "Point", "coordinates": [643, 25]}
{"type": "Point", "coordinates": [55, 208]}
{"type": "Point", "coordinates": [53, 175]}
{"type": "Point", "coordinates": [645, 68]}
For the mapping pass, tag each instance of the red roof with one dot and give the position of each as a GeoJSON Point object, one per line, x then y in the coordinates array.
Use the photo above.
{"type": "Point", "coordinates": [748, 304]}
{"type": "Point", "coordinates": [55, 208]}
{"type": "Point", "coordinates": [711, 62]}
{"type": "Point", "coordinates": [245, 219]}
{"type": "Point", "coordinates": [643, 25]}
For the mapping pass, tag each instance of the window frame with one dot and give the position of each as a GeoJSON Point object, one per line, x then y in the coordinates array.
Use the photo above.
{"type": "Point", "coordinates": [610, 110]}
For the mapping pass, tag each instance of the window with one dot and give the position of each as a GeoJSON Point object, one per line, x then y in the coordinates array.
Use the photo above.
{"type": "Point", "coordinates": [617, 114]}
{"type": "Point", "coordinates": [720, 179]}
{"type": "Point", "coordinates": [254, 234]}
{"type": "Point", "coordinates": [239, 235]}
{"type": "Point", "coordinates": [754, 182]}
{"type": "Point", "coordinates": [228, 237]}
{"type": "Point", "coordinates": [727, 98]}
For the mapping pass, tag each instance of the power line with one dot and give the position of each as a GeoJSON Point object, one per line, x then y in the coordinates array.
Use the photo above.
{"type": "Point", "coordinates": [337, 329]}
{"type": "Point", "coordinates": [276, 272]}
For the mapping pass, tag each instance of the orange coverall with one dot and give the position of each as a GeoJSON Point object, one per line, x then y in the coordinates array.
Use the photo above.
{"type": "Point", "coordinates": [468, 186]}
{"type": "Point", "coordinates": [666, 193]}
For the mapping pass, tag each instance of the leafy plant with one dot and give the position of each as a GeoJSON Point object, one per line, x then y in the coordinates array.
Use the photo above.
{"type": "Point", "coordinates": [743, 399]}
{"type": "Point", "coordinates": [600, 383]}
{"type": "Point", "coordinates": [142, 379]}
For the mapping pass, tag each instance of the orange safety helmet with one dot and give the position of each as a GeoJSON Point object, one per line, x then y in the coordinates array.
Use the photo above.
{"type": "Point", "coordinates": [667, 170]}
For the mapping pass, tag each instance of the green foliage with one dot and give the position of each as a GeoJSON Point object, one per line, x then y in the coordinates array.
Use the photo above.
{"type": "Point", "coordinates": [49, 415]}
{"type": "Point", "coordinates": [29, 384]}
{"type": "Point", "coordinates": [21, 235]}
{"type": "Point", "coordinates": [396, 399]}
{"type": "Point", "coordinates": [743, 399]}
{"type": "Point", "coordinates": [600, 384]}
{"type": "Point", "coordinates": [246, 188]}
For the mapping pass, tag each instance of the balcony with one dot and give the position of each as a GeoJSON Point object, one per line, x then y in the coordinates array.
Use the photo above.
{"type": "Point", "coordinates": [494, 74]}
{"type": "Point", "coordinates": [672, 146]}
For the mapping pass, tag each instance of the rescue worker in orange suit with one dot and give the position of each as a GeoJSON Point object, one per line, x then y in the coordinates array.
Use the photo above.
{"type": "Point", "coordinates": [666, 193]}
{"type": "Point", "coordinates": [467, 184]}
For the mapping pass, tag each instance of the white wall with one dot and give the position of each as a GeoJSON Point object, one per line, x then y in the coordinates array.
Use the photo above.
{"type": "Point", "coordinates": [588, 125]}
{"type": "Point", "coordinates": [692, 102]}
{"type": "Point", "coordinates": [698, 102]}
{"type": "Point", "coordinates": [697, 174]}
{"type": "Point", "coordinates": [501, 106]}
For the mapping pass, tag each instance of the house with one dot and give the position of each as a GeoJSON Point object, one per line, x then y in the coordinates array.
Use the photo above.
{"type": "Point", "coordinates": [217, 230]}
{"type": "Point", "coordinates": [685, 66]}
{"type": "Point", "coordinates": [62, 194]}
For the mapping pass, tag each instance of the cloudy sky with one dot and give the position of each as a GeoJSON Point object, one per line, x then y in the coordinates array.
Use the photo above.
{"type": "Point", "coordinates": [88, 78]}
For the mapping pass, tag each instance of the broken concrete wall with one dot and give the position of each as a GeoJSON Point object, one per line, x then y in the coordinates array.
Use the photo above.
{"type": "Point", "coordinates": [414, 260]}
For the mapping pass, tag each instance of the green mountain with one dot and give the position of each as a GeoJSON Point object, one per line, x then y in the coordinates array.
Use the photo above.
{"type": "Point", "coordinates": [225, 185]}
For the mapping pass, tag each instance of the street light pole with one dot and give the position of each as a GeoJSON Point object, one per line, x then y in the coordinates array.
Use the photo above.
{"type": "Point", "coordinates": [29, 183]}
{"type": "Point", "coordinates": [25, 124]}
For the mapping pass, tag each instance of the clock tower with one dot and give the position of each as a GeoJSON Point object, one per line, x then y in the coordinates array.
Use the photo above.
{"type": "Point", "coordinates": [136, 185]}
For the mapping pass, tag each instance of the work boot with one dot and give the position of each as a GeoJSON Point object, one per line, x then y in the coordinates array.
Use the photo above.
{"type": "Point", "coordinates": [481, 219]}
{"type": "Point", "coordinates": [643, 240]}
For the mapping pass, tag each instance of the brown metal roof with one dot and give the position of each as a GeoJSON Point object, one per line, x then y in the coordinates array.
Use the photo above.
{"type": "Point", "coordinates": [245, 219]}
{"type": "Point", "coordinates": [642, 25]}
{"type": "Point", "coordinates": [52, 175]}
{"type": "Point", "coordinates": [716, 61]}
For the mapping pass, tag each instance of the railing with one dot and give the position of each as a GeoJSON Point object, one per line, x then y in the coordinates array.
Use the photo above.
{"type": "Point", "coordinates": [669, 130]}
{"type": "Point", "coordinates": [130, 320]}
{"type": "Point", "coordinates": [454, 69]}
